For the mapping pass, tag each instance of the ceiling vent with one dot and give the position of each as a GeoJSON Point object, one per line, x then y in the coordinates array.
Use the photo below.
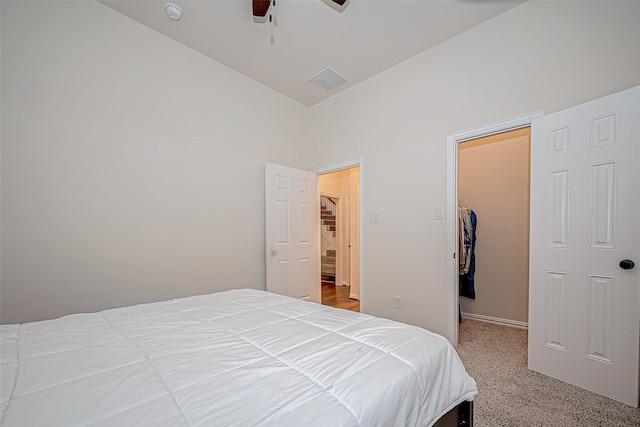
{"type": "Point", "coordinates": [328, 79]}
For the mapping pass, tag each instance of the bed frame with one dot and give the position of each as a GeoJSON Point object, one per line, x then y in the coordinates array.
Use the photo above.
{"type": "Point", "coordinates": [460, 416]}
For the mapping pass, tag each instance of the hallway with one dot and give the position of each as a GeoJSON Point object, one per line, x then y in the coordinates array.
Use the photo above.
{"type": "Point", "coordinates": [338, 296]}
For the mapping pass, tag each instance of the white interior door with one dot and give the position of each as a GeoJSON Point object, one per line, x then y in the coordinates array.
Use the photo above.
{"type": "Point", "coordinates": [584, 306]}
{"type": "Point", "coordinates": [291, 221]}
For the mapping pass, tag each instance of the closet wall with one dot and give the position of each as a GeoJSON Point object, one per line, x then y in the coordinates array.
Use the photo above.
{"type": "Point", "coordinates": [493, 180]}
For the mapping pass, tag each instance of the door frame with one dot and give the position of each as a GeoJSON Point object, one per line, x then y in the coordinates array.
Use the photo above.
{"type": "Point", "coordinates": [335, 168]}
{"type": "Point", "coordinates": [452, 209]}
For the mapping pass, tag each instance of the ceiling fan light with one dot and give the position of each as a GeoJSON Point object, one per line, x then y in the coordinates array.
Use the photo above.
{"type": "Point", "coordinates": [260, 7]}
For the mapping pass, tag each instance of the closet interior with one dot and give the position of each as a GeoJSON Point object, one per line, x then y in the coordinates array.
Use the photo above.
{"type": "Point", "coordinates": [493, 194]}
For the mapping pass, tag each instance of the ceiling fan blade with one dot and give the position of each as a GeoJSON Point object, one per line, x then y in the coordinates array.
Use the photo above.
{"type": "Point", "coordinates": [260, 7]}
{"type": "Point", "coordinates": [340, 2]}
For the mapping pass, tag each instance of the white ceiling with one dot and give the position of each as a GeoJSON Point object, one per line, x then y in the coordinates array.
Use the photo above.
{"type": "Point", "coordinates": [307, 36]}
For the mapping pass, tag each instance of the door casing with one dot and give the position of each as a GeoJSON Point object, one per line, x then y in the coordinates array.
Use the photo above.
{"type": "Point", "coordinates": [452, 209]}
{"type": "Point", "coordinates": [335, 168]}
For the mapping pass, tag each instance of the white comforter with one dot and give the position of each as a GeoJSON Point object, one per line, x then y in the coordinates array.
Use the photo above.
{"type": "Point", "coordinates": [235, 358]}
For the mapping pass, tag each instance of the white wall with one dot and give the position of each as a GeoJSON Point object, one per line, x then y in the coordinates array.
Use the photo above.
{"type": "Point", "coordinates": [132, 166]}
{"type": "Point", "coordinates": [336, 183]}
{"type": "Point", "coordinates": [493, 180]}
{"type": "Point", "coordinates": [122, 151]}
{"type": "Point", "coordinates": [537, 56]}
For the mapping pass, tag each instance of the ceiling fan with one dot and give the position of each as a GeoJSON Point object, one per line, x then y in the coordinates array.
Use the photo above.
{"type": "Point", "coordinates": [261, 7]}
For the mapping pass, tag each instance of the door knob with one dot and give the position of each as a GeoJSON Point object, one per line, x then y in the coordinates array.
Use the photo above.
{"type": "Point", "coordinates": [627, 264]}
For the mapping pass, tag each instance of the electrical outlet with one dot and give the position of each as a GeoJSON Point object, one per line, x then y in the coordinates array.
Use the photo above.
{"type": "Point", "coordinates": [397, 302]}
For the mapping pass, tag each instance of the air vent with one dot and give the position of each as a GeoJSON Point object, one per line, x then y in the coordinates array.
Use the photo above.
{"type": "Point", "coordinates": [328, 79]}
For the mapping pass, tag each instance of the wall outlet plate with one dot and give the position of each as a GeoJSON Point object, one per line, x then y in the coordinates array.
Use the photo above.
{"type": "Point", "coordinates": [397, 302]}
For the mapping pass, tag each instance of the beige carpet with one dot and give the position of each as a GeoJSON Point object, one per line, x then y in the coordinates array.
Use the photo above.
{"type": "Point", "coordinates": [511, 395]}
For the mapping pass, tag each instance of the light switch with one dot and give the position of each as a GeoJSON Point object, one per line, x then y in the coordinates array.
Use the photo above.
{"type": "Point", "coordinates": [437, 212]}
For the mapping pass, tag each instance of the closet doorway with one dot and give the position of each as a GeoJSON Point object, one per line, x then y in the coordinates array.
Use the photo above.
{"type": "Point", "coordinates": [340, 238]}
{"type": "Point", "coordinates": [454, 303]}
{"type": "Point", "coordinates": [493, 181]}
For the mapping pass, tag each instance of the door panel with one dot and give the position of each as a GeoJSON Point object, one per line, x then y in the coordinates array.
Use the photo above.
{"type": "Point", "coordinates": [584, 310]}
{"type": "Point", "coordinates": [291, 229]}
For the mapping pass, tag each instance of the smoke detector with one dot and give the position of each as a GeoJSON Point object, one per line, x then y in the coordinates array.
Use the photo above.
{"type": "Point", "coordinates": [174, 11]}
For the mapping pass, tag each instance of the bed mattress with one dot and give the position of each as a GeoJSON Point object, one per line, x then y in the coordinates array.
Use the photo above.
{"type": "Point", "coordinates": [234, 358]}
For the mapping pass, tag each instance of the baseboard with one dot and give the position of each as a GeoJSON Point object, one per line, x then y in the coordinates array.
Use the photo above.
{"type": "Point", "coordinates": [354, 296]}
{"type": "Point", "coordinates": [496, 320]}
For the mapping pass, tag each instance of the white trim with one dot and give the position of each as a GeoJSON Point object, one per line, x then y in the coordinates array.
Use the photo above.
{"type": "Point", "coordinates": [498, 321]}
{"type": "Point", "coordinates": [339, 167]}
{"type": "Point", "coordinates": [496, 128]}
{"type": "Point", "coordinates": [335, 168]}
{"type": "Point", "coordinates": [452, 208]}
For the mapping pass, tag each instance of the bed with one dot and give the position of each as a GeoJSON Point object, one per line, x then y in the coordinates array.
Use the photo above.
{"type": "Point", "coordinates": [236, 358]}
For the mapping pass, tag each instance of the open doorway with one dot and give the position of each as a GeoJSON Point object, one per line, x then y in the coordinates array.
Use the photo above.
{"type": "Point", "coordinates": [493, 188]}
{"type": "Point", "coordinates": [453, 219]}
{"type": "Point", "coordinates": [340, 238]}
